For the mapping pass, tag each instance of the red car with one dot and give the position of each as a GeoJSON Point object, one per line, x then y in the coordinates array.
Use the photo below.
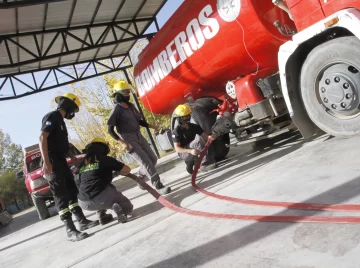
{"type": "Point", "coordinates": [35, 182]}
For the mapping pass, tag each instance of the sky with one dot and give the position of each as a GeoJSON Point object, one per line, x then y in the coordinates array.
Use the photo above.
{"type": "Point", "coordinates": [21, 118]}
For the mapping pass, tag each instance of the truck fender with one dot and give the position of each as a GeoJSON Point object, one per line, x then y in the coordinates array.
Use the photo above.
{"type": "Point", "coordinates": [292, 55]}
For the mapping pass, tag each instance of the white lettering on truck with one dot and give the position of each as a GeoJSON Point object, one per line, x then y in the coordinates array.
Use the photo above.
{"type": "Point", "coordinates": [178, 50]}
{"type": "Point", "coordinates": [35, 156]}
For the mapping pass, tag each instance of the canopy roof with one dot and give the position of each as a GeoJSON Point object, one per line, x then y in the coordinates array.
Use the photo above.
{"type": "Point", "coordinates": [65, 37]}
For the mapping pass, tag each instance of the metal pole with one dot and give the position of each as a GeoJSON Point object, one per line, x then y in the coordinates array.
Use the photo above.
{"type": "Point", "coordinates": [137, 105]}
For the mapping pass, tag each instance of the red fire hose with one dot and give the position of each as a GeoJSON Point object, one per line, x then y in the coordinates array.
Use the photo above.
{"type": "Point", "coordinates": [260, 218]}
{"type": "Point", "coordinates": [288, 205]}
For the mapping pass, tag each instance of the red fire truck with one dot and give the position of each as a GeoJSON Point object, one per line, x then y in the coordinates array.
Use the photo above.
{"type": "Point", "coordinates": [267, 63]}
{"type": "Point", "coordinates": [35, 181]}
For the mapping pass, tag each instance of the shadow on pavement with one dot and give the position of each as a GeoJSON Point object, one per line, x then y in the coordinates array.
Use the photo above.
{"type": "Point", "coordinates": [177, 196]}
{"type": "Point", "coordinates": [24, 220]}
{"type": "Point", "coordinates": [235, 157]}
{"type": "Point", "coordinates": [30, 238]}
{"type": "Point", "coordinates": [252, 233]}
{"type": "Point", "coordinates": [135, 214]}
{"type": "Point", "coordinates": [179, 193]}
{"type": "Point", "coordinates": [125, 183]}
{"type": "Point", "coordinates": [40, 234]}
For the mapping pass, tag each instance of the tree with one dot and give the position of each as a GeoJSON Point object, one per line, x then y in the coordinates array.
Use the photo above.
{"type": "Point", "coordinates": [4, 143]}
{"type": "Point", "coordinates": [95, 95]}
{"type": "Point", "coordinates": [162, 121]}
{"type": "Point", "coordinates": [11, 156]}
{"type": "Point", "coordinates": [91, 122]}
{"type": "Point", "coordinates": [12, 190]}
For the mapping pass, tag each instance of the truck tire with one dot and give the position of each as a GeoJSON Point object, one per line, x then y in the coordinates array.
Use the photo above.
{"type": "Point", "coordinates": [330, 86]}
{"type": "Point", "coordinates": [41, 207]}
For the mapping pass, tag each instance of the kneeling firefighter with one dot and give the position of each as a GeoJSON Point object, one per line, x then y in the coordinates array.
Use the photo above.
{"type": "Point", "coordinates": [127, 120]}
{"type": "Point", "coordinates": [189, 139]}
{"type": "Point", "coordinates": [96, 192]}
{"type": "Point", "coordinates": [54, 148]}
{"type": "Point", "coordinates": [203, 112]}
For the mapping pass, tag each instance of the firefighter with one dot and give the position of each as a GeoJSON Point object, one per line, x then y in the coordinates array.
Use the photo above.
{"type": "Point", "coordinates": [54, 147]}
{"type": "Point", "coordinates": [127, 120]}
{"type": "Point", "coordinates": [189, 139]}
{"type": "Point", "coordinates": [96, 192]}
{"type": "Point", "coordinates": [204, 114]}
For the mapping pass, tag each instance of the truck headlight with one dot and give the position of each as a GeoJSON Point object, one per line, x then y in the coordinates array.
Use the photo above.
{"type": "Point", "coordinates": [38, 183]}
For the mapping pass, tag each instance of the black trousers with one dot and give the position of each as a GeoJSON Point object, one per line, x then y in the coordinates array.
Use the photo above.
{"type": "Point", "coordinates": [63, 187]}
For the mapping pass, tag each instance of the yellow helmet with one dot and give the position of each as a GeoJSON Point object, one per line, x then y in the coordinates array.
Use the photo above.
{"type": "Point", "coordinates": [121, 85]}
{"type": "Point", "coordinates": [70, 96]}
{"type": "Point", "coordinates": [99, 140]}
{"type": "Point", "coordinates": [182, 110]}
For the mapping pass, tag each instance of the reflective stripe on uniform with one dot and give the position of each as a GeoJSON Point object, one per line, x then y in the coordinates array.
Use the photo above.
{"type": "Point", "coordinates": [64, 211]}
{"type": "Point", "coordinates": [73, 205]}
{"type": "Point", "coordinates": [155, 174]}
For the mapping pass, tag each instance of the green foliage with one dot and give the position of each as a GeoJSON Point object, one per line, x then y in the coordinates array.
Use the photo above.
{"type": "Point", "coordinates": [12, 190]}
{"type": "Point", "coordinates": [96, 106]}
{"type": "Point", "coordinates": [7, 185]}
{"type": "Point", "coordinates": [11, 156]}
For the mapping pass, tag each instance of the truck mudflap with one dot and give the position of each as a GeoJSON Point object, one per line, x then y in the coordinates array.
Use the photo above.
{"type": "Point", "coordinates": [5, 218]}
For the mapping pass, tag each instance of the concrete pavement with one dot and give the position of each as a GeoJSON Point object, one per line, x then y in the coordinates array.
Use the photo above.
{"type": "Point", "coordinates": [325, 170]}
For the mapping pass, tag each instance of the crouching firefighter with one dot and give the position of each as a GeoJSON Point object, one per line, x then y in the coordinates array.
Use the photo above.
{"type": "Point", "coordinates": [54, 147]}
{"type": "Point", "coordinates": [127, 120]}
{"type": "Point", "coordinates": [189, 139]}
{"type": "Point", "coordinates": [96, 192]}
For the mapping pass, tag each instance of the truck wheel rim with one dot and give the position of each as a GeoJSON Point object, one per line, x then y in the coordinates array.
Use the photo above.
{"type": "Point", "coordinates": [338, 90]}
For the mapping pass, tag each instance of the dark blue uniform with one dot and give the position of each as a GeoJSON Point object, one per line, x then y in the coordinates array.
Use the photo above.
{"type": "Point", "coordinates": [61, 180]}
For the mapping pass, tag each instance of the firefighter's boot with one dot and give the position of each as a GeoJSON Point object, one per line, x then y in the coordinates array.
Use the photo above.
{"type": "Point", "coordinates": [161, 188]}
{"type": "Point", "coordinates": [84, 223]}
{"type": "Point", "coordinates": [71, 231]}
{"type": "Point", "coordinates": [103, 217]}
{"type": "Point", "coordinates": [122, 217]}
